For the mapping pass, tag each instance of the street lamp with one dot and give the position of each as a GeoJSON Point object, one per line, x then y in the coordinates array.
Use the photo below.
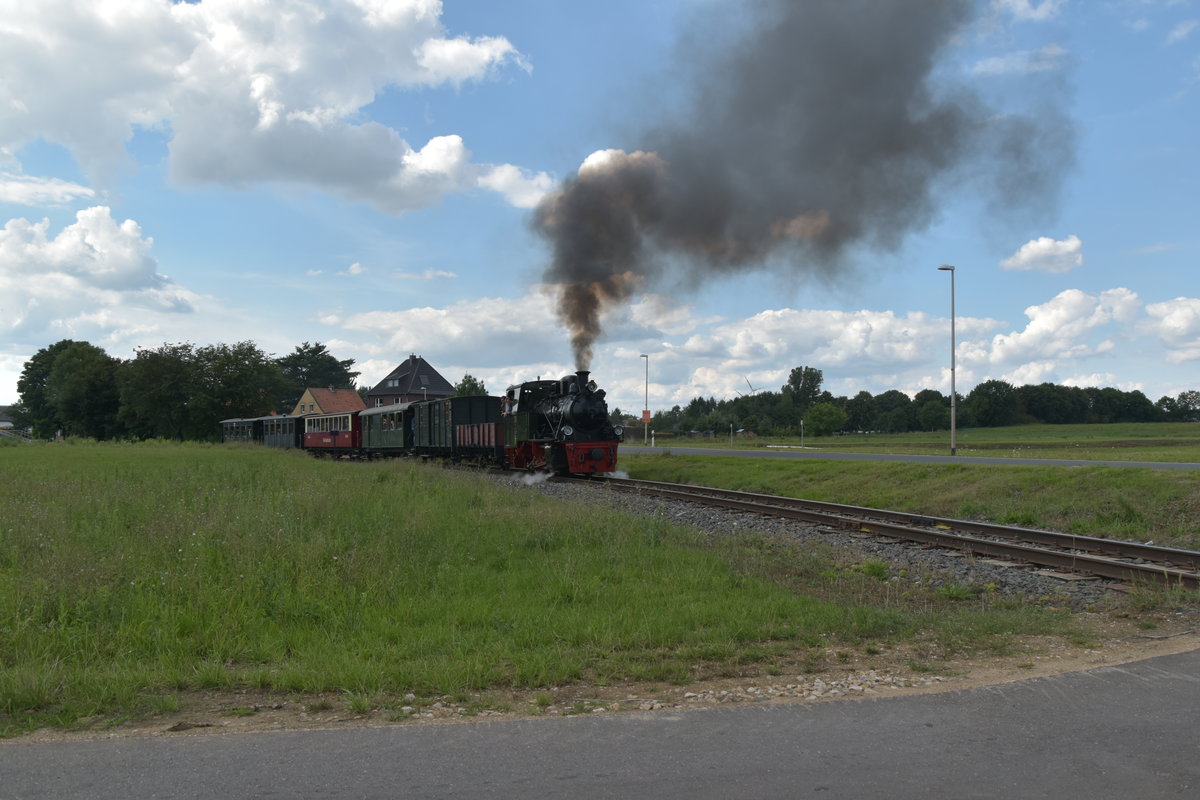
{"type": "Point", "coordinates": [646, 405]}
{"type": "Point", "coordinates": [953, 395]}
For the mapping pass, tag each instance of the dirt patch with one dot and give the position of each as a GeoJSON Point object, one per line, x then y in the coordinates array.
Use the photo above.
{"type": "Point", "coordinates": [838, 674]}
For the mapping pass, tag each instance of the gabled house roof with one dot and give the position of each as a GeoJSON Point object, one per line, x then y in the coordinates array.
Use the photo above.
{"type": "Point", "coordinates": [413, 379]}
{"type": "Point", "coordinates": [329, 401]}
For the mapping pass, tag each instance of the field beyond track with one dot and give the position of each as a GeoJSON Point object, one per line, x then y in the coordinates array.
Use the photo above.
{"type": "Point", "coordinates": [134, 576]}
{"type": "Point", "coordinates": [1135, 504]}
{"type": "Point", "coordinates": [1126, 441]}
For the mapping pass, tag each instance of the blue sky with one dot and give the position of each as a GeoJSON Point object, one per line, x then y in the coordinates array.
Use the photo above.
{"type": "Point", "coordinates": [364, 173]}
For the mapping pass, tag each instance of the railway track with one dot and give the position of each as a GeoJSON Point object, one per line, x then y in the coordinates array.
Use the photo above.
{"type": "Point", "coordinates": [1125, 561]}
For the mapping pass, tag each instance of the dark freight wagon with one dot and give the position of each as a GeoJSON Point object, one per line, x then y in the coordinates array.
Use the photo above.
{"type": "Point", "coordinates": [460, 427]}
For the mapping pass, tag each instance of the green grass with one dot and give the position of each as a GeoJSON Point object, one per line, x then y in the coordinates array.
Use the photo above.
{"type": "Point", "coordinates": [1140, 441]}
{"type": "Point", "coordinates": [1137, 504]}
{"type": "Point", "coordinates": [131, 575]}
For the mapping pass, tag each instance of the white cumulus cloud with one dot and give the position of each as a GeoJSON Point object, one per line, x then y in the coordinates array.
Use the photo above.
{"type": "Point", "coordinates": [1062, 327]}
{"type": "Point", "coordinates": [11, 366]}
{"type": "Point", "coordinates": [1176, 323]}
{"type": "Point", "coordinates": [1046, 254]}
{"type": "Point", "coordinates": [505, 328]}
{"type": "Point", "coordinates": [1097, 379]}
{"type": "Point", "coordinates": [249, 92]}
{"type": "Point", "coordinates": [92, 277]}
{"type": "Point", "coordinates": [520, 187]}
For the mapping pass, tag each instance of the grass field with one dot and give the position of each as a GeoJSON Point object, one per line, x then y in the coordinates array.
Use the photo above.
{"type": "Point", "coordinates": [1133, 503]}
{"type": "Point", "coordinates": [1137, 504]}
{"type": "Point", "coordinates": [1174, 441]}
{"type": "Point", "coordinates": [133, 575]}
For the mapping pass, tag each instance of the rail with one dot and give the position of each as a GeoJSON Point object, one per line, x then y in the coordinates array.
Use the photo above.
{"type": "Point", "coordinates": [1109, 558]}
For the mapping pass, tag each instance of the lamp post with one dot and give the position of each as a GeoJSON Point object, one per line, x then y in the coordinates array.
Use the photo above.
{"type": "Point", "coordinates": [646, 405]}
{"type": "Point", "coordinates": [953, 395]}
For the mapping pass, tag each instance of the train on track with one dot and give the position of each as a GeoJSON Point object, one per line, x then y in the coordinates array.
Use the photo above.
{"type": "Point", "coordinates": [559, 426]}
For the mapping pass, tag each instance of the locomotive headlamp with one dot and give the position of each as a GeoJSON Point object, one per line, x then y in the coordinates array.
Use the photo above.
{"type": "Point", "coordinates": [619, 430]}
{"type": "Point", "coordinates": [567, 430]}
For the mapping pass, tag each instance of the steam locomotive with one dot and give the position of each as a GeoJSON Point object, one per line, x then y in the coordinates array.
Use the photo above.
{"type": "Point", "coordinates": [559, 426]}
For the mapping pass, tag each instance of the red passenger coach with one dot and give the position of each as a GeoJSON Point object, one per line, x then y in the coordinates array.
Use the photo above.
{"type": "Point", "coordinates": [339, 433]}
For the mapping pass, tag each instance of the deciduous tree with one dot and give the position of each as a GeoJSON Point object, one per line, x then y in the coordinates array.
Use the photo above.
{"type": "Point", "coordinates": [803, 387]}
{"type": "Point", "coordinates": [469, 386]}
{"type": "Point", "coordinates": [82, 390]}
{"type": "Point", "coordinates": [1185, 407]}
{"type": "Point", "coordinates": [159, 387]}
{"type": "Point", "coordinates": [34, 410]}
{"type": "Point", "coordinates": [825, 418]}
{"type": "Point", "coordinates": [894, 412]}
{"type": "Point", "coordinates": [235, 380]}
{"type": "Point", "coordinates": [861, 409]}
{"type": "Point", "coordinates": [993, 404]}
{"type": "Point", "coordinates": [312, 365]}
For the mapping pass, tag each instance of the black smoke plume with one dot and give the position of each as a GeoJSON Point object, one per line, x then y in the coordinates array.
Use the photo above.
{"type": "Point", "coordinates": [827, 124]}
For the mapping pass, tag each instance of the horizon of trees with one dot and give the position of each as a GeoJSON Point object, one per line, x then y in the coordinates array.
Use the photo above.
{"type": "Point", "coordinates": [176, 391]}
{"type": "Point", "coordinates": [801, 405]}
{"type": "Point", "coordinates": [181, 391]}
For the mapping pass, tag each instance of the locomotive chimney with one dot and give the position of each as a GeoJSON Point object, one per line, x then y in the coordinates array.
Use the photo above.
{"type": "Point", "coordinates": [582, 377]}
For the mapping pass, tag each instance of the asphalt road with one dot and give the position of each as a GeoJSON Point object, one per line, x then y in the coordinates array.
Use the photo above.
{"type": "Point", "coordinates": [1113, 732]}
{"type": "Point", "coordinates": [633, 449]}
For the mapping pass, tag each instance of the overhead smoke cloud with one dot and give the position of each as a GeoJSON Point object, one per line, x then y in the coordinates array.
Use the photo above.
{"type": "Point", "coordinates": [826, 125]}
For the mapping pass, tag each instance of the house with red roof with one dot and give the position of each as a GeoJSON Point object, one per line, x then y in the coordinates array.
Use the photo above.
{"type": "Point", "coordinates": [326, 401]}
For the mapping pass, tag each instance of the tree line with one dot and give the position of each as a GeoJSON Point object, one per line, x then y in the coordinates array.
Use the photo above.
{"type": "Point", "coordinates": [802, 405]}
{"type": "Point", "coordinates": [176, 391]}
{"type": "Point", "coordinates": [182, 391]}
